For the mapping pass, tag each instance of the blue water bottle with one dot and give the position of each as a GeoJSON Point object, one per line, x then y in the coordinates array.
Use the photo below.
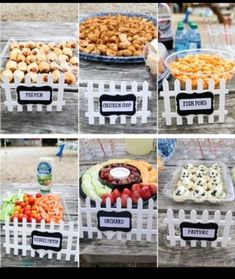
{"type": "Point", "coordinates": [180, 38]}
{"type": "Point", "coordinates": [194, 37]}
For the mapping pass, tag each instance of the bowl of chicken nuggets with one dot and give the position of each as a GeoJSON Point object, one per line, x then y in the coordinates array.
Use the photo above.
{"type": "Point", "coordinates": [40, 57]}
{"type": "Point", "coordinates": [115, 37]}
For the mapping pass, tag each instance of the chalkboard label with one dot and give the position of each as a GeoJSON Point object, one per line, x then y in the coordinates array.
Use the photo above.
{"type": "Point", "coordinates": [34, 95]}
{"type": "Point", "coordinates": [195, 103]}
{"type": "Point", "coordinates": [46, 240]}
{"type": "Point", "coordinates": [117, 105]}
{"type": "Point", "coordinates": [114, 221]}
{"type": "Point", "coordinates": [198, 231]}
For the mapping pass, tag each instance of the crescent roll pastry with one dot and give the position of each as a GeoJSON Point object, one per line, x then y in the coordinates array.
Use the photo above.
{"type": "Point", "coordinates": [67, 51]}
{"type": "Point", "coordinates": [31, 59]}
{"type": "Point", "coordinates": [14, 53]}
{"type": "Point", "coordinates": [69, 78]}
{"type": "Point", "coordinates": [55, 75]}
{"type": "Point", "coordinates": [20, 74]}
{"type": "Point", "coordinates": [51, 56]}
{"type": "Point", "coordinates": [26, 51]}
{"type": "Point", "coordinates": [44, 67]}
{"type": "Point", "coordinates": [33, 67]}
{"type": "Point", "coordinates": [20, 58]}
{"type": "Point", "coordinates": [22, 66]}
{"type": "Point", "coordinates": [33, 77]}
{"type": "Point", "coordinates": [74, 61]}
{"type": "Point", "coordinates": [8, 74]}
{"type": "Point", "coordinates": [54, 66]}
{"type": "Point", "coordinates": [11, 65]}
{"type": "Point", "coordinates": [63, 58]}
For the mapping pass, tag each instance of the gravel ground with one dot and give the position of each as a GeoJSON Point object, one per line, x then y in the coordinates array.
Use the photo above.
{"type": "Point", "coordinates": [145, 8]}
{"type": "Point", "coordinates": [54, 12]}
{"type": "Point", "coordinates": [18, 165]}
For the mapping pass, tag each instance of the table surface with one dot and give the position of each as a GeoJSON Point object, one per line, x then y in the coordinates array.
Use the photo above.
{"type": "Point", "coordinates": [69, 193]}
{"type": "Point", "coordinates": [105, 252]}
{"type": "Point", "coordinates": [187, 256]}
{"type": "Point", "coordinates": [35, 122]}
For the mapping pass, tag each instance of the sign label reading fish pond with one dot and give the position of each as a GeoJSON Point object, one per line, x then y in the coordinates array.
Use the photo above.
{"type": "Point", "coordinates": [114, 221]}
{"type": "Point", "coordinates": [117, 105]}
{"type": "Point", "coordinates": [198, 231]}
{"type": "Point", "coordinates": [195, 103]}
{"type": "Point", "coordinates": [34, 95]}
{"type": "Point", "coordinates": [46, 241]}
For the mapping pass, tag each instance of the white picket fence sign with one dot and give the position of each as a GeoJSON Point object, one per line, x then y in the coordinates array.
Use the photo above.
{"type": "Point", "coordinates": [170, 111]}
{"type": "Point", "coordinates": [96, 89]}
{"type": "Point", "coordinates": [18, 238]}
{"type": "Point", "coordinates": [144, 221]}
{"type": "Point", "coordinates": [224, 224]}
{"type": "Point", "coordinates": [11, 95]}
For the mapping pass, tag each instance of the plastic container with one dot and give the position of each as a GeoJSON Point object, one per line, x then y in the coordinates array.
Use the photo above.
{"type": "Point", "coordinates": [165, 33]}
{"type": "Point", "coordinates": [194, 76]}
{"type": "Point", "coordinates": [225, 177]}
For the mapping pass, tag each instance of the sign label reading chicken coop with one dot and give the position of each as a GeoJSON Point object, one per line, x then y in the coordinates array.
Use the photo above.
{"type": "Point", "coordinates": [198, 231]}
{"type": "Point", "coordinates": [117, 105]}
{"type": "Point", "coordinates": [46, 240]}
{"type": "Point", "coordinates": [195, 103]}
{"type": "Point", "coordinates": [34, 95]}
{"type": "Point", "coordinates": [114, 221]}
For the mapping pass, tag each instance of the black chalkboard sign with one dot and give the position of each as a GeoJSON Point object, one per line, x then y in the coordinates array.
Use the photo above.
{"type": "Point", "coordinates": [117, 105]}
{"type": "Point", "coordinates": [46, 240]}
{"type": "Point", "coordinates": [198, 231]}
{"type": "Point", "coordinates": [114, 221]}
{"type": "Point", "coordinates": [196, 103]}
{"type": "Point", "coordinates": [34, 95]}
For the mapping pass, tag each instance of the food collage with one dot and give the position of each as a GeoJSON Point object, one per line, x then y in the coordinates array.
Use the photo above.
{"type": "Point", "coordinates": [117, 135]}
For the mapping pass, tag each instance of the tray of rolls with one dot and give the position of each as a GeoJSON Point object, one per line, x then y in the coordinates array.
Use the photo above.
{"type": "Point", "coordinates": [41, 56]}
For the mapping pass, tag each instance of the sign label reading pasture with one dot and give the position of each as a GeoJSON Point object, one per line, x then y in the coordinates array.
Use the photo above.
{"type": "Point", "coordinates": [34, 95]}
{"type": "Point", "coordinates": [46, 240]}
{"type": "Point", "coordinates": [114, 221]}
{"type": "Point", "coordinates": [195, 103]}
{"type": "Point", "coordinates": [198, 231]}
{"type": "Point", "coordinates": [117, 105]}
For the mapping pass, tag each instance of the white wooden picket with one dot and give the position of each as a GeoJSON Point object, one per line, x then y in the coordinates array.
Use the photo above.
{"type": "Point", "coordinates": [18, 238]}
{"type": "Point", "coordinates": [95, 89]}
{"type": "Point", "coordinates": [170, 110]}
{"type": "Point", "coordinates": [144, 221]}
{"type": "Point", "coordinates": [57, 96]}
{"type": "Point", "coordinates": [224, 223]}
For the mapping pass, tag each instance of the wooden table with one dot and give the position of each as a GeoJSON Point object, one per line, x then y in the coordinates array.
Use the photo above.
{"type": "Point", "coordinates": [44, 122]}
{"type": "Point", "coordinates": [94, 252]}
{"type": "Point", "coordinates": [186, 256]}
{"type": "Point", "coordinates": [107, 72]}
{"type": "Point", "coordinates": [69, 194]}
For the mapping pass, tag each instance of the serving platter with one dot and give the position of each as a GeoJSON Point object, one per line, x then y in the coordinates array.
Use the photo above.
{"type": "Point", "coordinates": [114, 59]}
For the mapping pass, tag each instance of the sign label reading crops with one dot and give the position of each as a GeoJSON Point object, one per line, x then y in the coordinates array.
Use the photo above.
{"type": "Point", "coordinates": [46, 240]}
{"type": "Point", "coordinates": [117, 105]}
{"type": "Point", "coordinates": [114, 221]}
{"type": "Point", "coordinates": [34, 95]}
{"type": "Point", "coordinates": [198, 231]}
{"type": "Point", "coordinates": [202, 103]}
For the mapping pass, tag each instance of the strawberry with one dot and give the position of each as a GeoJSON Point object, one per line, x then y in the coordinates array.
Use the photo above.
{"type": "Point", "coordinates": [124, 198]}
{"type": "Point", "coordinates": [135, 187]}
{"type": "Point", "coordinates": [135, 196]}
{"type": "Point", "coordinates": [115, 194]}
{"type": "Point", "coordinates": [127, 192]}
{"type": "Point", "coordinates": [105, 196]}
{"type": "Point", "coordinates": [153, 188]}
{"type": "Point", "coordinates": [145, 192]}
